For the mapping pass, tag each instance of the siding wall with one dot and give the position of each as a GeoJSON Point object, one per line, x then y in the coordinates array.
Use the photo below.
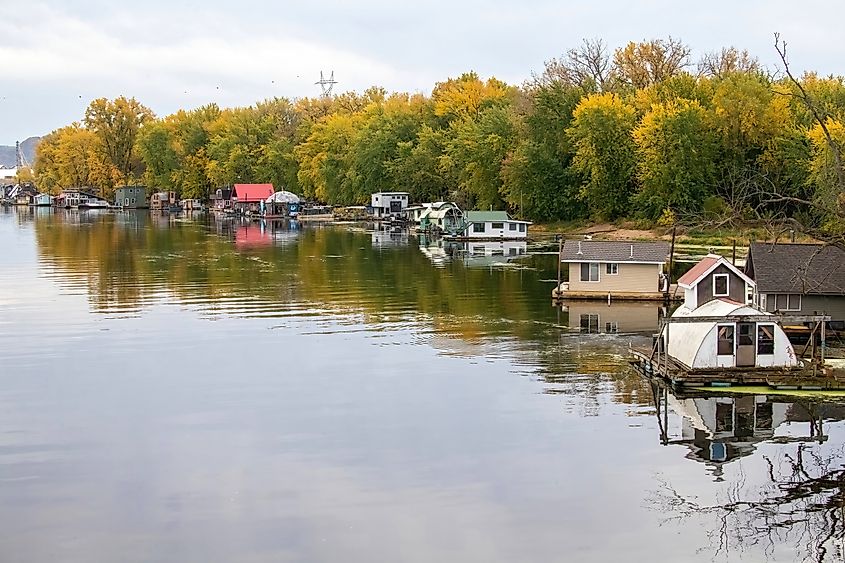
{"type": "Point", "coordinates": [810, 304]}
{"type": "Point", "coordinates": [736, 287]}
{"type": "Point", "coordinates": [632, 278]}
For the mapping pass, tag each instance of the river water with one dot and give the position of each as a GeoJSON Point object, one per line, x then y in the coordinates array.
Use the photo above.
{"type": "Point", "coordinates": [179, 389]}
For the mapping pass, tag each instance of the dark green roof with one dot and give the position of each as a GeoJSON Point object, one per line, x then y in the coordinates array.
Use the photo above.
{"type": "Point", "coordinates": [485, 216]}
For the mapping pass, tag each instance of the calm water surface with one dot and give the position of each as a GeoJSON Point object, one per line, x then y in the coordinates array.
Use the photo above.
{"type": "Point", "coordinates": [199, 390]}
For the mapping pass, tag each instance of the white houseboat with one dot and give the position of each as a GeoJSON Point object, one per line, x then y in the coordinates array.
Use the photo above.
{"type": "Point", "coordinates": [388, 205]}
{"type": "Point", "coordinates": [491, 225]}
{"type": "Point", "coordinates": [716, 336]}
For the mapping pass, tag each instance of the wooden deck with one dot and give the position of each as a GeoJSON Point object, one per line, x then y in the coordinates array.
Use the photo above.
{"type": "Point", "coordinates": [810, 377]}
{"type": "Point", "coordinates": [563, 292]}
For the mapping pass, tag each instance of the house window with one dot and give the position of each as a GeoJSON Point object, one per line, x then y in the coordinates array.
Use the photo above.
{"type": "Point", "coordinates": [590, 323]}
{"type": "Point", "coordinates": [478, 227]}
{"type": "Point", "coordinates": [721, 286]}
{"type": "Point", "coordinates": [788, 302]}
{"type": "Point", "coordinates": [611, 327]}
{"type": "Point", "coordinates": [133, 200]}
{"type": "Point", "coordinates": [765, 340]}
{"type": "Point", "coordinates": [726, 341]}
{"type": "Point", "coordinates": [746, 336]}
{"type": "Point", "coordinates": [512, 226]}
{"type": "Point", "coordinates": [498, 225]}
{"type": "Point", "coordinates": [589, 272]}
{"type": "Point", "coordinates": [478, 250]}
{"type": "Point", "coordinates": [522, 227]}
{"type": "Point", "coordinates": [512, 251]}
{"type": "Point", "coordinates": [724, 417]}
{"type": "Point", "coordinates": [612, 269]}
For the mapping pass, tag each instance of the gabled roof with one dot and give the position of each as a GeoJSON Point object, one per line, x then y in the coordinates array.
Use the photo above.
{"type": "Point", "coordinates": [615, 251]}
{"type": "Point", "coordinates": [249, 193]}
{"type": "Point", "coordinates": [490, 216]}
{"type": "Point", "coordinates": [707, 265]}
{"type": "Point", "coordinates": [797, 268]}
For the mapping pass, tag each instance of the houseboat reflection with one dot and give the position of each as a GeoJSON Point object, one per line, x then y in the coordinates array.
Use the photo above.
{"type": "Point", "coordinates": [720, 429]}
{"type": "Point", "coordinates": [597, 317]}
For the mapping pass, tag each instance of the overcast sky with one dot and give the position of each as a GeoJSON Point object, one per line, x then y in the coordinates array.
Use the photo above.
{"type": "Point", "coordinates": [55, 57]}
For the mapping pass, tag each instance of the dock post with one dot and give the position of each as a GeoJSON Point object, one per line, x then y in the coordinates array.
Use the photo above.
{"type": "Point", "coordinates": [822, 345]}
{"type": "Point", "coordinates": [559, 258]}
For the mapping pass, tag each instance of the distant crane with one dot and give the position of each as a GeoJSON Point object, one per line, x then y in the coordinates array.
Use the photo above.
{"type": "Point", "coordinates": [326, 84]}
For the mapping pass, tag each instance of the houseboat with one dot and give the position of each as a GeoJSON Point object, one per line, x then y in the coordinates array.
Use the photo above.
{"type": "Point", "coordinates": [440, 217]}
{"type": "Point", "coordinates": [221, 200]}
{"type": "Point", "coordinates": [611, 270]}
{"type": "Point", "coordinates": [250, 199]}
{"type": "Point", "coordinates": [80, 199]}
{"type": "Point", "coordinates": [389, 205]}
{"type": "Point", "coordinates": [43, 200]}
{"type": "Point", "coordinates": [491, 225]}
{"type": "Point", "coordinates": [164, 201]}
{"type": "Point", "coordinates": [799, 279]}
{"type": "Point", "coordinates": [192, 205]}
{"type": "Point", "coordinates": [282, 204]}
{"type": "Point", "coordinates": [718, 337]}
{"type": "Point", "coordinates": [131, 197]}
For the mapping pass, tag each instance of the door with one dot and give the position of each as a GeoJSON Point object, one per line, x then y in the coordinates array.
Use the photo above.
{"type": "Point", "coordinates": [745, 346]}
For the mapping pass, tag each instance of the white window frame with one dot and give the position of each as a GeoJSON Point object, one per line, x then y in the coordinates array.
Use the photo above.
{"type": "Point", "coordinates": [612, 269]}
{"type": "Point", "coordinates": [727, 285]}
{"type": "Point", "coordinates": [734, 338]}
{"type": "Point", "coordinates": [589, 272]}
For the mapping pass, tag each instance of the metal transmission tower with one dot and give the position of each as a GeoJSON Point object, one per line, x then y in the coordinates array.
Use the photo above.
{"type": "Point", "coordinates": [326, 84]}
{"type": "Point", "coordinates": [20, 159]}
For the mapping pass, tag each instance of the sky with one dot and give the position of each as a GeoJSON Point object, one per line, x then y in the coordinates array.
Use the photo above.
{"type": "Point", "coordinates": [55, 57]}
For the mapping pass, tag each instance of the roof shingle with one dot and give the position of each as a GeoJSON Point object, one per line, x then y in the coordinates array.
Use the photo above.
{"type": "Point", "coordinates": [797, 268]}
{"type": "Point", "coordinates": [615, 251]}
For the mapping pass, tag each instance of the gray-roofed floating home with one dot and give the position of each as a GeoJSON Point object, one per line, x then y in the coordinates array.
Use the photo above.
{"type": "Point", "coordinates": [601, 269]}
{"type": "Point", "coordinates": [799, 278]}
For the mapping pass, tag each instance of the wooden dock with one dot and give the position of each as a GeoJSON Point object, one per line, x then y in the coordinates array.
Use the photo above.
{"type": "Point", "coordinates": [563, 292]}
{"type": "Point", "coordinates": [810, 377]}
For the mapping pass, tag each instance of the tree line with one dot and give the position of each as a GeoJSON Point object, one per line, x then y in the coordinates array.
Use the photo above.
{"type": "Point", "coordinates": [641, 132]}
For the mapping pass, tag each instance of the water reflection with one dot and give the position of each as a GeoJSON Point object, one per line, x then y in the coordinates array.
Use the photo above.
{"type": "Point", "coordinates": [789, 498]}
{"type": "Point", "coordinates": [601, 317]}
{"type": "Point", "coordinates": [205, 389]}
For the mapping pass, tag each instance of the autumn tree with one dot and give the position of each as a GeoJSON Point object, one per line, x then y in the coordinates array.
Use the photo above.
{"type": "Point", "coordinates": [675, 159]}
{"type": "Point", "coordinates": [604, 153]}
{"type": "Point", "coordinates": [642, 64]}
{"type": "Point", "coordinates": [587, 66]}
{"type": "Point", "coordinates": [116, 124]}
{"type": "Point", "coordinates": [728, 61]}
{"type": "Point", "coordinates": [538, 177]}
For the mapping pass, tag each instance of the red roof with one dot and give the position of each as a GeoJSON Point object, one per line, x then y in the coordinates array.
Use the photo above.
{"type": "Point", "coordinates": [252, 193]}
{"type": "Point", "coordinates": [698, 270]}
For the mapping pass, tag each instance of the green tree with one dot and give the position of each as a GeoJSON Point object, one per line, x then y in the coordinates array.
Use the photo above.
{"type": "Point", "coordinates": [604, 153]}
{"type": "Point", "coordinates": [675, 156]}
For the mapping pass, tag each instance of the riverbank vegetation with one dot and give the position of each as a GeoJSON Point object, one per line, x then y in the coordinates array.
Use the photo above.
{"type": "Point", "coordinates": [642, 133]}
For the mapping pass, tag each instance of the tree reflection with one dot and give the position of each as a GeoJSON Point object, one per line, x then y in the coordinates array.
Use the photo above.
{"type": "Point", "coordinates": [794, 500]}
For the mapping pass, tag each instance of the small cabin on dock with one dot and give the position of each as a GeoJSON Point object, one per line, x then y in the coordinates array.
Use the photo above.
{"type": "Point", "coordinates": [716, 328]}
{"type": "Point", "coordinates": [491, 225]}
{"type": "Point", "coordinates": [251, 198]}
{"type": "Point", "coordinates": [610, 269]}
{"type": "Point", "coordinates": [163, 201]}
{"type": "Point", "coordinates": [131, 197]}
{"type": "Point", "coordinates": [440, 217]}
{"type": "Point", "coordinates": [221, 199]}
{"type": "Point", "coordinates": [389, 204]}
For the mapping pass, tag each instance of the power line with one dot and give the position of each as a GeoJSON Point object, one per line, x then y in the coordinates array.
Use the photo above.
{"type": "Point", "coordinates": [326, 84]}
